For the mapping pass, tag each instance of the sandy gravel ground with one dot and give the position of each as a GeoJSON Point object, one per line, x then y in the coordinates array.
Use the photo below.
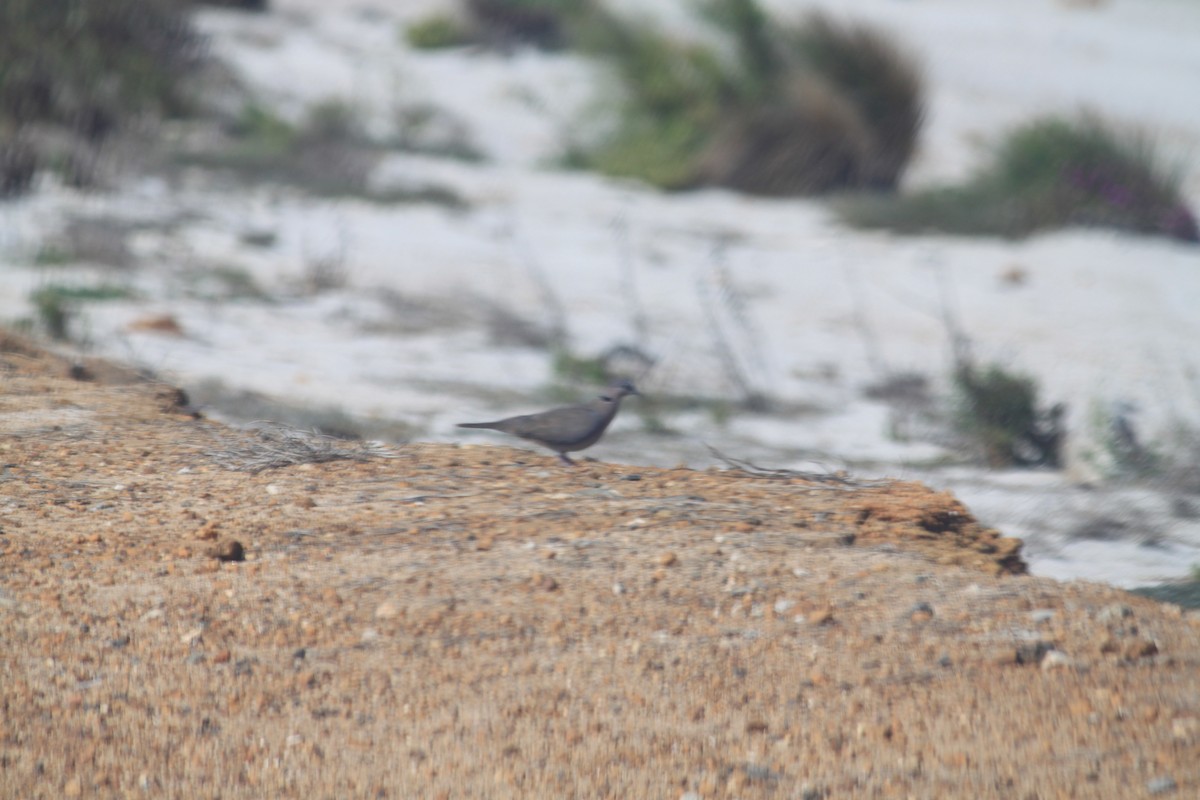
{"type": "Point", "coordinates": [480, 622]}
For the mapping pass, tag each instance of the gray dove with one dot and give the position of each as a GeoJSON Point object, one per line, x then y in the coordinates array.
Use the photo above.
{"type": "Point", "coordinates": [567, 429]}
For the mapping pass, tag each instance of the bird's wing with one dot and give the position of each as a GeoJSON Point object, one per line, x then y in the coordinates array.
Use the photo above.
{"type": "Point", "coordinates": [559, 426]}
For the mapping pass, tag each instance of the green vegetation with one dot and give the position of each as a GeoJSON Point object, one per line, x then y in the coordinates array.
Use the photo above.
{"type": "Point", "coordinates": [881, 83]}
{"type": "Point", "coordinates": [781, 110]}
{"type": "Point", "coordinates": [437, 31]}
{"type": "Point", "coordinates": [1168, 461]}
{"type": "Point", "coordinates": [86, 68]}
{"type": "Point", "coordinates": [549, 24]}
{"type": "Point", "coordinates": [259, 132]}
{"type": "Point", "coordinates": [998, 410]}
{"type": "Point", "coordinates": [1051, 173]}
{"type": "Point", "coordinates": [543, 23]}
{"type": "Point", "coordinates": [328, 154]}
{"type": "Point", "coordinates": [57, 304]}
{"type": "Point", "coordinates": [676, 94]}
{"type": "Point", "coordinates": [795, 109]}
{"type": "Point", "coordinates": [580, 369]}
{"type": "Point", "coordinates": [1184, 593]}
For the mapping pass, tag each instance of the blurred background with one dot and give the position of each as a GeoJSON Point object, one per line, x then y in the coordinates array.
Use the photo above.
{"type": "Point", "coordinates": [926, 239]}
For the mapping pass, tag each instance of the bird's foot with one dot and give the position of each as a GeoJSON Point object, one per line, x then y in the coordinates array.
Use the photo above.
{"type": "Point", "coordinates": [564, 459]}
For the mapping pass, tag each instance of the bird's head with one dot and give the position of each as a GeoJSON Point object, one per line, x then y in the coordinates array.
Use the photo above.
{"type": "Point", "coordinates": [619, 389]}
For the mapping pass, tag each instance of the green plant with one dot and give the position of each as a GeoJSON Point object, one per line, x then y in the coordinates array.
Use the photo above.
{"type": "Point", "coordinates": [90, 66]}
{"type": "Point", "coordinates": [18, 165]}
{"type": "Point", "coordinates": [810, 142]}
{"type": "Point", "coordinates": [259, 131]}
{"type": "Point", "coordinates": [542, 23]}
{"type": "Point", "coordinates": [51, 254]}
{"type": "Point", "coordinates": [228, 282]}
{"type": "Point", "coordinates": [85, 68]}
{"type": "Point", "coordinates": [675, 96]}
{"type": "Point", "coordinates": [56, 304]}
{"type": "Point", "coordinates": [1050, 173]}
{"type": "Point", "coordinates": [760, 62]}
{"type": "Point", "coordinates": [437, 30]}
{"type": "Point", "coordinates": [332, 121]}
{"type": "Point", "coordinates": [875, 76]}
{"type": "Point", "coordinates": [998, 410]}
{"type": "Point", "coordinates": [1185, 593]}
{"type": "Point", "coordinates": [792, 110]}
{"type": "Point", "coordinates": [328, 154]}
{"type": "Point", "coordinates": [582, 369]}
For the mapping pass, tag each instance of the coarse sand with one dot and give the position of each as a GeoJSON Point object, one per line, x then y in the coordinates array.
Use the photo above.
{"type": "Point", "coordinates": [181, 618]}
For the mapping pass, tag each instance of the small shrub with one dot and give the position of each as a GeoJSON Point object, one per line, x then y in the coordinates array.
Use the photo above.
{"type": "Point", "coordinates": [423, 128]}
{"type": "Point", "coordinates": [241, 5]}
{"type": "Point", "coordinates": [437, 31]}
{"type": "Point", "coordinates": [57, 304]}
{"type": "Point", "coordinates": [793, 111]}
{"type": "Point", "coordinates": [89, 66]}
{"type": "Point", "coordinates": [676, 94]}
{"type": "Point", "coordinates": [1185, 593]}
{"type": "Point", "coordinates": [580, 369]}
{"type": "Point", "coordinates": [1120, 452]}
{"type": "Point", "coordinates": [998, 410]}
{"type": "Point", "coordinates": [333, 121]}
{"type": "Point", "coordinates": [259, 131]}
{"type": "Point", "coordinates": [1050, 173]}
{"type": "Point", "coordinates": [18, 165]}
{"type": "Point", "coordinates": [226, 282]}
{"type": "Point", "coordinates": [813, 142]}
{"type": "Point", "coordinates": [876, 77]}
{"type": "Point", "coordinates": [328, 154]}
{"type": "Point", "coordinates": [542, 23]}
{"type": "Point", "coordinates": [85, 68]}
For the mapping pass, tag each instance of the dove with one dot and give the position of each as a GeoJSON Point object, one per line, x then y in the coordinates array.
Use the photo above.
{"type": "Point", "coordinates": [567, 429]}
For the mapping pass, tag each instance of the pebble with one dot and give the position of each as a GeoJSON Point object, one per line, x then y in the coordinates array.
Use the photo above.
{"type": "Point", "coordinates": [388, 610]}
{"type": "Point", "coordinates": [1042, 615]}
{"type": "Point", "coordinates": [1114, 613]}
{"type": "Point", "coordinates": [921, 612]}
{"type": "Point", "coordinates": [1161, 785]}
{"type": "Point", "coordinates": [1033, 652]}
{"type": "Point", "coordinates": [1056, 659]}
{"type": "Point", "coordinates": [230, 550]}
{"type": "Point", "coordinates": [1140, 648]}
{"type": "Point", "coordinates": [822, 617]}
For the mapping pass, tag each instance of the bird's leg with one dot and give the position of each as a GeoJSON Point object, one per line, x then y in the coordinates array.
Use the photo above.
{"type": "Point", "coordinates": [563, 458]}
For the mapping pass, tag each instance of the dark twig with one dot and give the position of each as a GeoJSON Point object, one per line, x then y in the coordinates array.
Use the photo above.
{"type": "Point", "coordinates": [839, 479]}
{"type": "Point", "coordinates": [277, 445]}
